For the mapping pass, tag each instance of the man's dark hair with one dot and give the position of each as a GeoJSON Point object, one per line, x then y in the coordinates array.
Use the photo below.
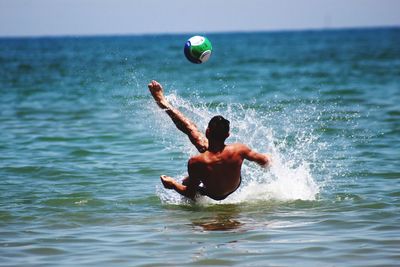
{"type": "Point", "coordinates": [219, 128]}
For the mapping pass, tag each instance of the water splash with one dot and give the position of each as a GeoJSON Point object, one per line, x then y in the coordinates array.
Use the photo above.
{"type": "Point", "coordinates": [287, 133]}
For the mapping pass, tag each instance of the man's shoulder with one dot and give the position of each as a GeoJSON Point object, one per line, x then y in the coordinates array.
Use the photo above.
{"type": "Point", "coordinates": [196, 160]}
{"type": "Point", "coordinates": [240, 149]}
{"type": "Point", "coordinates": [196, 164]}
{"type": "Point", "coordinates": [238, 146]}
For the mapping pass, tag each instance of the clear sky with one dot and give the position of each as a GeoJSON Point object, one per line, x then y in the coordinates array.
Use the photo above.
{"type": "Point", "coordinates": [82, 17]}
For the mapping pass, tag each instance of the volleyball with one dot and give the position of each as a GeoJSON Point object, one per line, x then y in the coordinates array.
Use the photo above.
{"type": "Point", "coordinates": [198, 49]}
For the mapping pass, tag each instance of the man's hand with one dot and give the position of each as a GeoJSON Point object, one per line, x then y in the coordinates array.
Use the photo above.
{"type": "Point", "coordinates": [269, 160]}
{"type": "Point", "coordinates": [168, 182]}
{"type": "Point", "coordinates": [156, 91]}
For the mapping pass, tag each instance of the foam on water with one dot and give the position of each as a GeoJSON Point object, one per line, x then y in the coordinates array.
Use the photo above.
{"type": "Point", "coordinates": [294, 149]}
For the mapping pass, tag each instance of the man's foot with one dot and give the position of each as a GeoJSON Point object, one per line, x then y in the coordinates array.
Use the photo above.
{"type": "Point", "coordinates": [157, 92]}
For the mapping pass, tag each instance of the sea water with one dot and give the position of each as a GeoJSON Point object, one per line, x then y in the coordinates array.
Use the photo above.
{"type": "Point", "coordinates": [83, 145]}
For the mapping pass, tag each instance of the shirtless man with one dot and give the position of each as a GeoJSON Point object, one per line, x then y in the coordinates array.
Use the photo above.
{"type": "Point", "coordinates": [218, 166]}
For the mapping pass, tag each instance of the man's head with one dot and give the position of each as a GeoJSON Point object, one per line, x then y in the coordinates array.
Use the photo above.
{"type": "Point", "coordinates": [218, 129]}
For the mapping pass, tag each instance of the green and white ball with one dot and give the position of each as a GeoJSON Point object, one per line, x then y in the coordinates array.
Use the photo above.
{"type": "Point", "coordinates": [198, 49]}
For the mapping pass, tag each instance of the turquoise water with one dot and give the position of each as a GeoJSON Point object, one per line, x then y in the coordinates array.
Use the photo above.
{"type": "Point", "coordinates": [83, 144]}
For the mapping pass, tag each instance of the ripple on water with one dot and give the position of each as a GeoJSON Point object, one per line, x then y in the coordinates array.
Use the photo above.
{"type": "Point", "coordinates": [83, 145]}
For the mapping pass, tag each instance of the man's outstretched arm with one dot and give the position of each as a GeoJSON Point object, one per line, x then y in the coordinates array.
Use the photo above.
{"type": "Point", "coordinates": [261, 159]}
{"type": "Point", "coordinates": [181, 122]}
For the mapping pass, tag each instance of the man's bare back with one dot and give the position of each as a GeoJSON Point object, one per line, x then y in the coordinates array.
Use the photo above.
{"type": "Point", "coordinates": [218, 167]}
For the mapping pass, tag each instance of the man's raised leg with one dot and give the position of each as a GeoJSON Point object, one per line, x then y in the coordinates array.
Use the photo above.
{"type": "Point", "coordinates": [181, 122]}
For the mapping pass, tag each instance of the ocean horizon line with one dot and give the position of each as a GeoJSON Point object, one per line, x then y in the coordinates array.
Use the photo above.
{"type": "Point", "coordinates": [111, 35]}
